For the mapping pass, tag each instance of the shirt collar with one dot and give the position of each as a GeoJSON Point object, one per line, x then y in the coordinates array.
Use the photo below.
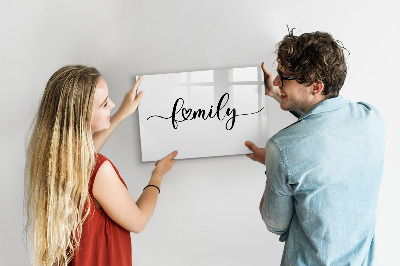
{"type": "Point", "coordinates": [325, 106]}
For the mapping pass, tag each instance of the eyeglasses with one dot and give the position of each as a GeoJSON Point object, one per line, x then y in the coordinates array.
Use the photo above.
{"type": "Point", "coordinates": [282, 78]}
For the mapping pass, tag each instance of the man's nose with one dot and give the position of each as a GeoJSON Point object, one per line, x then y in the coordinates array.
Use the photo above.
{"type": "Point", "coordinates": [277, 81]}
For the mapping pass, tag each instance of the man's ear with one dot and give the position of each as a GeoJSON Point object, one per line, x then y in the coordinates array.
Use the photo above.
{"type": "Point", "coordinates": [317, 88]}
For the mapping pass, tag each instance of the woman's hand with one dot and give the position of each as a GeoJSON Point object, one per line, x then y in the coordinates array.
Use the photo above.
{"type": "Point", "coordinates": [128, 107]}
{"type": "Point", "coordinates": [270, 89]}
{"type": "Point", "coordinates": [131, 101]}
{"type": "Point", "coordinates": [164, 165]}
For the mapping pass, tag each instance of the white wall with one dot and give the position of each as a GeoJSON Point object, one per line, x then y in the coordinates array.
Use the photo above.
{"type": "Point", "coordinates": [208, 208]}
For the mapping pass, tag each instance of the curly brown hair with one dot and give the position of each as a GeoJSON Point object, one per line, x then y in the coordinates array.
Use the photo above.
{"type": "Point", "coordinates": [314, 57]}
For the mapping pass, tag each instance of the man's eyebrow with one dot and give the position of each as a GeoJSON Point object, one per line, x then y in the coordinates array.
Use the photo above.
{"type": "Point", "coordinates": [283, 74]}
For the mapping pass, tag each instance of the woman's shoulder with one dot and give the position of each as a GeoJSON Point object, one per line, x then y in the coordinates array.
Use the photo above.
{"type": "Point", "coordinates": [100, 159]}
{"type": "Point", "coordinates": [106, 167]}
{"type": "Point", "coordinates": [102, 164]}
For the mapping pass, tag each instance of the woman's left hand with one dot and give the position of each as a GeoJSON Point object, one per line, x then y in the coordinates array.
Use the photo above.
{"type": "Point", "coordinates": [131, 100]}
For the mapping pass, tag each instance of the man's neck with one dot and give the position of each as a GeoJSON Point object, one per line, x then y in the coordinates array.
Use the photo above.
{"type": "Point", "coordinates": [316, 100]}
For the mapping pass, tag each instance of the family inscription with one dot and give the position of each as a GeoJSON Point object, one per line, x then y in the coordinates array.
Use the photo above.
{"type": "Point", "coordinates": [182, 114]}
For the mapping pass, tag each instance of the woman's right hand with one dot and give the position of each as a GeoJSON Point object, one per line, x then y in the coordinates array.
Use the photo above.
{"type": "Point", "coordinates": [131, 101]}
{"type": "Point", "coordinates": [270, 89]}
{"type": "Point", "coordinates": [165, 164]}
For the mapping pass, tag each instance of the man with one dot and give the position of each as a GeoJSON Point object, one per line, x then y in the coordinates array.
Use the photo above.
{"type": "Point", "coordinates": [323, 171]}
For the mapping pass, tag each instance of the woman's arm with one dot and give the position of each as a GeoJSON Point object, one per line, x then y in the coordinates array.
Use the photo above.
{"type": "Point", "coordinates": [128, 107]}
{"type": "Point", "coordinates": [116, 201]}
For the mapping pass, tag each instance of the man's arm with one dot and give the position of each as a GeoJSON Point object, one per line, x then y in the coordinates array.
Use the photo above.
{"type": "Point", "coordinates": [274, 91]}
{"type": "Point", "coordinates": [276, 206]}
{"type": "Point", "coordinates": [258, 154]}
{"type": "Point", "coordinates": [270, 89]}
{"type": "Point", "coordinates": [128, 107]}
{"type": "Point", "coordinates": [276, 211]}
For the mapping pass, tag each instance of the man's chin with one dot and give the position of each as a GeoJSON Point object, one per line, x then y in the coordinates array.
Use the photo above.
{"type": "Point", "coordinates": [285, 108]}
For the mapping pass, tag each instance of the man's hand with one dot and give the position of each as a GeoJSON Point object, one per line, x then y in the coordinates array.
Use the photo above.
{"type": "Point", "coordinates": [270, 89]}
{"type": "Point", "coordinates": [259, 153]}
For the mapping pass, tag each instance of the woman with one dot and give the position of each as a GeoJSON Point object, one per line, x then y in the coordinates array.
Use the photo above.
{"type": "Point", "coordinates": [78, 207]}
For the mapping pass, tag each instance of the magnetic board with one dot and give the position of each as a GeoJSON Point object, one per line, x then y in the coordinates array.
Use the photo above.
{"type": "Point", "coordinates": [202, 113]}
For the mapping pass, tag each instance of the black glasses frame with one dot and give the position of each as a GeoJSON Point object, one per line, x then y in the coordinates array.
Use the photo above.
{"type": "Point", "coordinates": [282, 78]}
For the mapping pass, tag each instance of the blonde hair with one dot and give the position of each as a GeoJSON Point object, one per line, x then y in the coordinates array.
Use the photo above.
{"type": "Point", "coordinates": [59, 161]}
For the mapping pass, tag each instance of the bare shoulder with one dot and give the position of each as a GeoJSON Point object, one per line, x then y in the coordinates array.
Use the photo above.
{"type": "Point", "coordinates": [106, 170]}
{"type": "Point", "coordinates": [106, 180]}
{"type": "Point", "coordinates": [114, 198]}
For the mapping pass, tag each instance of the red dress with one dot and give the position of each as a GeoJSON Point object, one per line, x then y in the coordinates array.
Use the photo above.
{"type": "Point", "coordinates": [103, 241]}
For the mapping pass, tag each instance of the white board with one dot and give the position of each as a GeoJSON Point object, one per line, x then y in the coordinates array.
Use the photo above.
{"type": "Point", "coordinates": [202, 113]}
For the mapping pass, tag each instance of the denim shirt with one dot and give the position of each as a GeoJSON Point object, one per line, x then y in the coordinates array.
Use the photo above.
{"type": "Point", "coordinates": [323, 176]}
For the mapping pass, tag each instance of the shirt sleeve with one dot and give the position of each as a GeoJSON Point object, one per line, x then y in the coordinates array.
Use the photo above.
{"type": "Point", "coordinates": [277, 209]}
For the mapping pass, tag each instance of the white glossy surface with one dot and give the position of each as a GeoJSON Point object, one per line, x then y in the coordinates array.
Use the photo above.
{"type": "Point", "coordinates": [230, 101]}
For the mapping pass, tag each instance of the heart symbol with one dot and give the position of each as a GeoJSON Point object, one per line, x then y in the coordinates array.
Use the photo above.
{"type": "Point", "coordinates": [186, 113]}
